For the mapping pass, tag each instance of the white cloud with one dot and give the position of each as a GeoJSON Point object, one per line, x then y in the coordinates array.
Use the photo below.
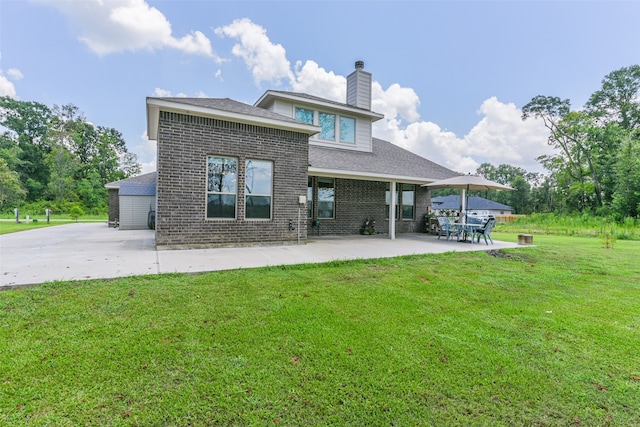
{"type": "Point", "coordinates": [6, 86]}
{"type": "Point", "coordinates": [165, 93]}
{"type": "Point", "coordinates": [499, 137]}
{"type": "Point", "coordinates": [147, 153]}
{"type": "Point", "coordinates": [161, 93]}
{"type": "Point", "coordinates": [396, 101]}
{"type": "Point", "coordinates": [111, 26]}
{"type": "Point", "coordinates": [266, 61]}
{"type": "Point", "coordinates": [314, 80]}
{"type": "Point", "coordinates": [15, 74]}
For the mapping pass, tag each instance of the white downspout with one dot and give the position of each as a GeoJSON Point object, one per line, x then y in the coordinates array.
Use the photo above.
{"type": "Point", "coordinates": [392, 210]}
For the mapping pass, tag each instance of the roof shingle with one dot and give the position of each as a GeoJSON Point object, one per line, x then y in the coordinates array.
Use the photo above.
{"type": "Point", "coordinates": [385, 159]}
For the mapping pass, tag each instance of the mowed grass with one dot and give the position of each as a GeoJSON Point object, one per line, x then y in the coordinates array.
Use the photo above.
{"type": "Point", "coordinates": [536, 336]}
{"type": "Point", "coordinates": [10, 226]}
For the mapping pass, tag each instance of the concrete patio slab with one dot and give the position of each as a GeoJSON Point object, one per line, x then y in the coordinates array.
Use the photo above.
{"type": "Point", "coordinates": [94, 251]}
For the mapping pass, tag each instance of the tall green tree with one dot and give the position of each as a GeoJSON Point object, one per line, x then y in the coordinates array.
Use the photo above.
{"type": "Point", "coordinates": [587, 172]}
{"type": "Point", "coordinates": [626, 200]}
{"type": "Point", "coordinates": [58, 154]}
{"type": "Point", "coordinates": [63, 166]}
{"type": "Point", "coordinates": [10, 191]}
{"type": "Point", "coordinates": [617, 101]}
{"type": "Point", "coordinates": [513, 176]}
{"type": "Point", "coordinates": [92, 192]}
{"type": "Point", "coordinates": [27, 124]}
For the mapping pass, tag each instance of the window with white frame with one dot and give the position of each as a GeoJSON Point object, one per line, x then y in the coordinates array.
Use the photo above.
{"type": "Point", "coordinates": [328, 124]}
{"type": "Point", "coordinates": [408, 201]}
{"type": "Point", "coordinates": [222, 188]}
{"type": "Point", "coordinates": [326, 197]}
{"type": "Point", "coordinates": [304, 115]}
{"type": "Point", "coordinates": [405, 201]}
{"type": "Point", "coordinates": [347, 129]}
{"type": "Point", "coordinates": [258, 189]}
{"type": "Point", "coordinates": [333, 126]}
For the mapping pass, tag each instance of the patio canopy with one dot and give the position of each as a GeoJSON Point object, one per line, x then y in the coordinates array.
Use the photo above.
{"type": "Point", "coordinates": [466, 183]}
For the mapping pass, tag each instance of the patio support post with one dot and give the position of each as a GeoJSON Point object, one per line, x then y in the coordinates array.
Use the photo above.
{"type": "Point", "coordinates": [392, 210]}
{"type": "Point", "coordinates": [463, 201]}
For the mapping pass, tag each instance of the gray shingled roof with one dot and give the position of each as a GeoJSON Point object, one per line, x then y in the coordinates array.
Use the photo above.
{"type": "Point", "coordinates": [385, 159]}
{"type": "Point", "coordinates": [315, 99]}
{"type": "Point", "coordinates": [229, 105]}
{"type": "Point", "coordinates": [147, 178]}
{"type": "Point", "coordinates": [475, 203]}
{"type": "Point", "coordinates": [137, 189]}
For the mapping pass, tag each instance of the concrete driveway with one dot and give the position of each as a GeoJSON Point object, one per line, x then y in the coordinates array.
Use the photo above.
{"type": "Point", "coordinates": [94, 251]}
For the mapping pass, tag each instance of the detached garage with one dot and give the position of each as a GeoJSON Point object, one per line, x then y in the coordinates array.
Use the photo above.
{"type": "Point", "coordinates": [131, 200]}
{"type": "Point", "coordinates": [136, 200]}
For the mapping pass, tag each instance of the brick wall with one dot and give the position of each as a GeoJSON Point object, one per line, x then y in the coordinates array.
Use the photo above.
{"type": "Point", "coordinates": [114, 204]}
{"type": "Point", "coordinates": [357, 200]}
{"type": "Point", "coordinates": [185, 142]}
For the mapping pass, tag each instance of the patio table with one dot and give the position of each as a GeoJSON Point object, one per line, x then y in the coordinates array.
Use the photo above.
{"type": "Point", "coordinates": [465, 229]}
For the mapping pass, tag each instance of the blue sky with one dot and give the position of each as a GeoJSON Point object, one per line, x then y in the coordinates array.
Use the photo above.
{"type": "Point", "coordinates": [450, 76]}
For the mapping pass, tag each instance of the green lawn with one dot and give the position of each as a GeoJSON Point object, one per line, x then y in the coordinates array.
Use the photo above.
{"type": "Point", "coordinates": [10, 226]}
{"type": "Point", "coordinates": [536, 336]}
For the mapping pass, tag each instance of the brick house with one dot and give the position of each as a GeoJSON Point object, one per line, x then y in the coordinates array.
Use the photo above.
{"type": "Point", "coordinates": [290, 166]}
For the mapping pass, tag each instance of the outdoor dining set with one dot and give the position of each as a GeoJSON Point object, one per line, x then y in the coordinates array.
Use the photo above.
{"type": "Point", "coordinates": [472, 228]}
{"type": "Point", "coordinates": [467, 226]}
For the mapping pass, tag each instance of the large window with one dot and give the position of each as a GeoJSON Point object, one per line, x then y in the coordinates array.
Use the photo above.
{"type": "Point", "coordinates": [405, 201]}
{"type": "Point", "coordinates": [408, 200]}
{"type": "Point", "coordinates": [328, 125]}
{"type": "Point", "coordinates": [222, 189]}
{"type": "Point", "coordinates": [333, 127]}
{"type": "Point", "coordinates": [326, 198]}
{"type": "Point", "coordinates": [258, 189]}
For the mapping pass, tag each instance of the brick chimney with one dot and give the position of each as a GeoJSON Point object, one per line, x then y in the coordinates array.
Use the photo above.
{"type": "Point", "coordinates": [359, 87]}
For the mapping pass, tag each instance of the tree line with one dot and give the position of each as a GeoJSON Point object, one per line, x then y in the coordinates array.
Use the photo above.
{"type": "Point", "coordinates": [57, 158]}
{"type": "Point", "coordinates": [596, 166]}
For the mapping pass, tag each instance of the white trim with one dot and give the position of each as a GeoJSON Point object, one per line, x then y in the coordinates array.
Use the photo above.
{"type": "Point", "coordinates": [367, 176]}
{"type": "Point", "coordinates": [154, 105]}
{"type": "Point", "coordinates": [317, 102]}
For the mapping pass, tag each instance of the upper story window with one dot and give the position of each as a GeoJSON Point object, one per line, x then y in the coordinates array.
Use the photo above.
{"type": "Point", "coordinates": [328, 124]}
{"type": "Point", "coordinates": [304, 115]}
{"type": "Point", "coordinates": [222, 188]}
{"type": "Point", "coordinates": [333, 127]}
{"type": "Point", "coordinates": [347, 129]}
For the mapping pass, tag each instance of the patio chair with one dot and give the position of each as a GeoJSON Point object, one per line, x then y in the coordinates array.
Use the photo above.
{"type": "Point", "coordinates": [484, 230]}
{"type": "Point", "coordinates": [474, 220]}
{"type": "Point", "coordinates": [447, 228]}
{"type": "Point", "coordinates": [443, 225]}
